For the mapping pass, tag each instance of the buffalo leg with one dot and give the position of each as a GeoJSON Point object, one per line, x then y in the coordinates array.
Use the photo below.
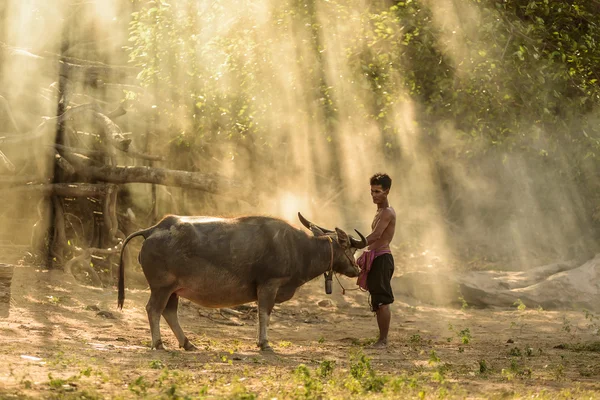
{"type": "Point", "coordinates": [170, 315]}
{"type": "Point", "coordinates": [156, 304]}
{"type": "Point", "coordinates": [266, 301]}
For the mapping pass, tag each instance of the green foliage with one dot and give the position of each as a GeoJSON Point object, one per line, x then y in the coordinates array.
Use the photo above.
{"type": "Point", "coordinates": [156, 364]}
{"type": "Point", "coordinates": [312, 387]}
{"type": "Point", "coordinates": [465, 336]}
{"type": "Point", "coordinates": [497, 86]}
{"type": "Point", "coordinates": [525, 64]}
{"type": "Point", "coordinates": [139, 386]}
{"type": "Point", "coordinates": [55, 383]}
{"type": "Point", "coordinates": [415, 339]}
{"type": "Point", "coordinates": [362, 371]}
{"type": "Point", "coordinates": [325, 369]}
{"type": "Point", "coordinates": [433, 357]}
{"type": "Point", "coordinates": [515, 352]}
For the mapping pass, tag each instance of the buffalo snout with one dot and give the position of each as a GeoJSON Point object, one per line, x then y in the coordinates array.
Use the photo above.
{"type": "Point", "coordinates": [351, 271]}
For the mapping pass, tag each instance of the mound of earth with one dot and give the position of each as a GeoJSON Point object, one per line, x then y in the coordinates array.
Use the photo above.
{"type": "Point", "coordinates": [566, 285]}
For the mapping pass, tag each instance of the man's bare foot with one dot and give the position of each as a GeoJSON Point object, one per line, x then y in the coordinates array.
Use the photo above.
{"type": "Point", "coordinates": [380, 344]}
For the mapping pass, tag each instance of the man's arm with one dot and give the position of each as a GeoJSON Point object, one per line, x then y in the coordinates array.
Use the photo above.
{"type": "Point", "coordinates": [382, 223]}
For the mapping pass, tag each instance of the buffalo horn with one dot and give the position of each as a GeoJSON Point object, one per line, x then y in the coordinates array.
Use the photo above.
{"type": "Point", "coordinates": [308, 224]}
{"type": "Point", "coordinates": [358, 244]}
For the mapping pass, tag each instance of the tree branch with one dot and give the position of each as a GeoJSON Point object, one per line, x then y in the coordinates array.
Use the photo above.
{"type": "Point", "coordinates": [7, 164]}
{"type": "Point", "coordinates": [91, 153]}
{"type": "Point", "coordinates": [73, 66]}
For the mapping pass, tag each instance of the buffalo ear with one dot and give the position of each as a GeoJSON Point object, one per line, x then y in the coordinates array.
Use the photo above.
{"type": "Point", "coordinates": [342, 238]}
{"type": "Point", "coordinates": [316, 231]}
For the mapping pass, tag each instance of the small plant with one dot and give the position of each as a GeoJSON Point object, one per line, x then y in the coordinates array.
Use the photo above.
{"type": "Point", "coordinates": [559, 372]}
{"type": "Point", "coordinates": [55, 383]}
{"type": "Point", "coordinates": [567, 327]}
{"type": "Point", "coordinates": [415, 339]}
{"type": "Point", "coordinates": [529, 351]}
{"type": "Point", "coordinates": [451, 329]}
{"type": "Point", "coordinates": [361, 371]}
{"type": "Point", "coordinates": [171, 392]}
{"type": "Point", "coordinates": [593, 325]}
{"type": "Point", "coordinates": [520, 305]}
{"type": "Point", "coordinates": [483, 367]}
{"type": "Point", "coordinates": [226, 360]}
{"type": "Point", "coordinates": [156, 364]}
{"type": "Point", "coordinates": [465, 336]}
{"type": "Point", "coordinates": [312, 387]}
{"type": "Point", "coordinates": [515, 352]}
{"type": "Point", "coordinates": [139, 386]}
{"type": "Point", "coordinates": [433, 357]}
{"type": "Point", "coordinates": [438, 376]}
{"type": "Point", "coordinates": [464, 304]}
{"type": "Point", "coordinates": [54, 300]}
{"type": "Point", "coordinates": [326, 369]}
{"type": "Point", "coordinates": [241, 393]}
{"type": "Point", "coordinates": [507, 374]}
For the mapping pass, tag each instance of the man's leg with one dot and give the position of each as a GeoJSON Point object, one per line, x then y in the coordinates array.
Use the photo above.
{"type": "Point", "coordinates": [383, 321]}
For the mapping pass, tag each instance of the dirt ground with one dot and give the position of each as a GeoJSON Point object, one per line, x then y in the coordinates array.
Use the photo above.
{"type": "Point", "coordinates": [67, 340]}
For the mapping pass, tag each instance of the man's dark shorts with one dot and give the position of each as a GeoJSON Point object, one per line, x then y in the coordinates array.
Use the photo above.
{"type": "Point", "coordinates": [379, 281]}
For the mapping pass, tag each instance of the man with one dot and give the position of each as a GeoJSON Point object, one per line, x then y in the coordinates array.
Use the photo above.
{"type": "Point", "coordinates": [377, 263]}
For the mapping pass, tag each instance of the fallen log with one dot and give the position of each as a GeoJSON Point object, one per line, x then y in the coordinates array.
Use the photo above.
{"type": "Point", "coordinates": [212, 183]}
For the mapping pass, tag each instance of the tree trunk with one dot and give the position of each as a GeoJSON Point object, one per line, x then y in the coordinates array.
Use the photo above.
{"type": "Point", "coordinates": [6, 274]}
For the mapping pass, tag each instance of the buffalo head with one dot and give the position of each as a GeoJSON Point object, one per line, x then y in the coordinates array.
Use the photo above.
{"type": "Point", "coordinates": [348, 244]}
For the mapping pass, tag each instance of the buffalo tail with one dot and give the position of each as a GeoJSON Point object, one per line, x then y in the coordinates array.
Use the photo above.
{"type": "Point", "coordinates": [121, 286]}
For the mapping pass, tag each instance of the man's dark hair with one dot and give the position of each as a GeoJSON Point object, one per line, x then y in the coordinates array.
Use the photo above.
{"type": "Point", "coordinates": [382, 179]}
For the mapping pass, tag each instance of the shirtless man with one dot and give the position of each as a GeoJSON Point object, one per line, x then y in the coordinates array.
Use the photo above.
{"type": "Point", "coordinates": [382, 268]}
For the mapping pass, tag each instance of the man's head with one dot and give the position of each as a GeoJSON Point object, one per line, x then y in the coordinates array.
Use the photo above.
{"type": "Point", "coordinates": [380, 187]}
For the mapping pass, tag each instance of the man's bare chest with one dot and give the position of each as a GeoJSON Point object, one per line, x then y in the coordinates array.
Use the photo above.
{"type": "Point", "coordinates": [376, 218]}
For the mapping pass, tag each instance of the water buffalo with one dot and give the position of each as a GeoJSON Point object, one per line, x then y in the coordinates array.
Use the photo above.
{"type": "Point", "coordinates": [223, 262]}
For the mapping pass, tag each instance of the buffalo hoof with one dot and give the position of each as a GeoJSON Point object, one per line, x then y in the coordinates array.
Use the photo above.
{"type": "Point", "coordinates": [266, 347]}
{"type": "Point", "coordinates": [158, 346]}
{"type": "Point", "coordinates": [187, 346]}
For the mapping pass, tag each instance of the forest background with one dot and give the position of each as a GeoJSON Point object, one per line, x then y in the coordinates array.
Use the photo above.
{"type": "Point", "coordinates": [485, 114]}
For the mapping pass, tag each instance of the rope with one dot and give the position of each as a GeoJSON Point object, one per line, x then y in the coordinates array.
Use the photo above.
{"type": "Point", "coordinates": [344, 289]}
{"type": "Point", "coordinates": [336, 276]}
